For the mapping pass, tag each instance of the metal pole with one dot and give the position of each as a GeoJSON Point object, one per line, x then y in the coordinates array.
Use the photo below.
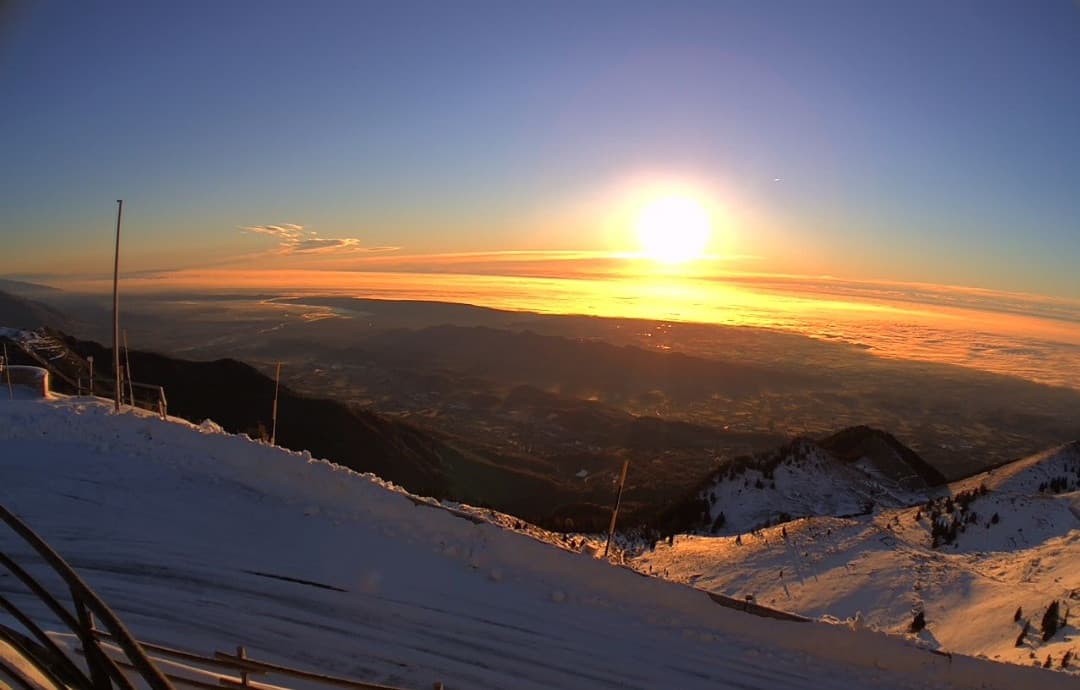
{"type": "Point", "coordinates": [7, 373]}
{"type": "Point", "coordinates": [116, 307]}
{"type": "Point", "coordinates": [273, 416]}
{"type": "Point", "coordinates": [127, 370]}
{"type": "Point", "coordinates": [615, 511]}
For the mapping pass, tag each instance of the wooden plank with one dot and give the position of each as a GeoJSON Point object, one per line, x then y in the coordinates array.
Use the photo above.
{"type": "Point", "coordinates": [178, 654]}
{"type": "Point", "coordinates": [253, 665]}
{"type": "Point", "coordinates": [178, 680]}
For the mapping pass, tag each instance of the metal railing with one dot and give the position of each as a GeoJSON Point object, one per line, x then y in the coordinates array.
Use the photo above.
{"type": "Point", "coordinates": [84, 605]}
{"type": "Point", "coordinates": [244, 668]}
{"type": "Point", "coordinates": [110, 652]}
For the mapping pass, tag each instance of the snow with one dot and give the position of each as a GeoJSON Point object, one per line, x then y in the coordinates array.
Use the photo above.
{"type": "Point", "coordinates": [186, 532]}
{"type": "Point", "coordinates": [807, 481]}
{"type": "Point", "coordinates": [882, 568]}
{"type": "Point", "coordinates": [24, 381]}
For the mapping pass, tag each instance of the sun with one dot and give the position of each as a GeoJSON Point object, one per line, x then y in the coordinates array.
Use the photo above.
{"type": "Point", "coordinates": [673, 229]}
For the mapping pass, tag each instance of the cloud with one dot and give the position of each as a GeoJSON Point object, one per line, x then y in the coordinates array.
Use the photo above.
{"type": "Point", "coordinates": [296, 239]}
{"type": "Point", "coordinates": [288, 231]}
{"type": "Point", "coordinates": [323, 244]}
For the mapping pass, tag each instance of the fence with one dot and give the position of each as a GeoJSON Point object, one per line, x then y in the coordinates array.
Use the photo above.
{"type": "Point", "coordinates": [142, 395]}
{"type": "Point", "coordinates": [244, 667]}
{"type": "Point", "coordinates": [112, 653]}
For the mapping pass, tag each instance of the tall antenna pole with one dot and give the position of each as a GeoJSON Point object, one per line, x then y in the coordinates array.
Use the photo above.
{"type": "Point", "coordinates": [116, 307]}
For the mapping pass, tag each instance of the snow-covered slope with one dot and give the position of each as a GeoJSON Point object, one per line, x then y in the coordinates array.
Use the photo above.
{"type": "Point", "coordinates": [800, 479]}
{"type": "Point", "coordinates": [968, 559]}
{"type": "Point", "coordinates": [183, 530]}
{"type": "Point", "coordinates": [1054, 471]}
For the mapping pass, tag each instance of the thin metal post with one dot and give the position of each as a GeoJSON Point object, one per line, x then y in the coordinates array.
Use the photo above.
{"type": "Point", "coordinates": [116, 307]}
{"type": "Point", "coordinates": [7, 374]}
{"type": "Point", "coordinates": [127, 371]}
{"type": "Point", "coordinates": [273, 416]}
{"type": "Point", "coordinates": [90, 360]}
{"type": "Point", "coordinates": [615, 511]}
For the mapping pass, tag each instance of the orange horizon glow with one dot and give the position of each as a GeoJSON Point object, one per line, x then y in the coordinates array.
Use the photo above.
{"type": "Point", "coordinates": [1032, 337]}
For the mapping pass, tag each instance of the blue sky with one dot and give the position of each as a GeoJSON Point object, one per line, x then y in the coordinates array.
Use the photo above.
{"type": "Point", "coordinates": [935, 142]}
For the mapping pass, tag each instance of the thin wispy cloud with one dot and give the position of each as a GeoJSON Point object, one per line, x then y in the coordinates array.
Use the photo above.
{"type": "Point", "coordinates": [288, 231]}
{"type": "Point", "coordinates": [296, 239]}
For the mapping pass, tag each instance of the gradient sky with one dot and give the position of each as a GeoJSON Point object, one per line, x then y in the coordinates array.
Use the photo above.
{"type": "Point", "coordinates": [933, 142]}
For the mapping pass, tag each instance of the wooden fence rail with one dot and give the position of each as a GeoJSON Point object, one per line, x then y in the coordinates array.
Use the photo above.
{"type": "Point", "coordinates": [244, 666]}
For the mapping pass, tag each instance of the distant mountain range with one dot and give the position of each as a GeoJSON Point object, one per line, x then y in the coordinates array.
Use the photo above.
{"type": "Point", "coordinates": [25, 289]}
{"type": "Point", "coordinates": [21, 312]}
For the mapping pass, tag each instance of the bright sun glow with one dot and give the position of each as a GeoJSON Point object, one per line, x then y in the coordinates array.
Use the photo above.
{"type": "Point", "coordinates": [673, 229]}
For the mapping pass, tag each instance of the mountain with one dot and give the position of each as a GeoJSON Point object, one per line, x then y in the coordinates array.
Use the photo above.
{"type": "Point", "coordinates": [1018, 505]}
{"type": "Point", "coordinates": [201, 540]}
{"type": "Point", "coordinates": [25, 289]}
{"type": "Point", "coordinates": [851, 472]}
{"type": "Point", "coordinates": [22, 312]}
{"type": "Point", "coordinates": [884, 453]}
{"type": "Point", "coordinates": [985, 562]}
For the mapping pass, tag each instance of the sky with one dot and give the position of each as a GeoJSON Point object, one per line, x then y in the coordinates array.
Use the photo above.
{"type": "Point", "coordinates": [916, 142]}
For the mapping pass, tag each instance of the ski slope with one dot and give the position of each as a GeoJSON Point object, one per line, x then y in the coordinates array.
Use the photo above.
{"type": "Point", "coordinates": [185, 530]}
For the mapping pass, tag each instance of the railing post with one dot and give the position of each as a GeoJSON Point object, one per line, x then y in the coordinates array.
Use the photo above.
{"type": "Point", "coordinates": [99, 673]}
{"type": "Point", "coordinates": [241, 654]}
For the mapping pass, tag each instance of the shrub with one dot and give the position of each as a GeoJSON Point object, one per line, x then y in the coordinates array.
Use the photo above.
{"type": "Point", "coordinates": [918, 622]}
{"type": "Point", "coordinates": [720, 521]}
{"type": "Point", "coordinates": [1023, 634]}
{"type": "Point", "coordinates": [1019, 612]}
{"type": "Point", "coordinates": [1050, 621]}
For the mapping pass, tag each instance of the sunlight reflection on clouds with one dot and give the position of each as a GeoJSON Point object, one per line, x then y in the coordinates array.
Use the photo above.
{"type": "Point", "coordinates": [1032, 337]}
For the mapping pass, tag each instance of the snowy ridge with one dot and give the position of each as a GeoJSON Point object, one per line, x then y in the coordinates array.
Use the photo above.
{"type": "Point", "coordinates": [171, 524]}
{"type": "Point", "coordinates": [968, 559]}
{"type": "Point", "coordinates": [802, 479]}
{"type": "Point", "coordinates": [1040, 473]}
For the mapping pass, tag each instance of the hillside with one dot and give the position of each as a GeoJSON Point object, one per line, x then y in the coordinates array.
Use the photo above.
{"type": "Point", "coordinates": [21, 312]}
{"type": "Point", "coordinates": [977, 554]}
{"type": "Point", "coordinates": [187, 532]}
{"type": "Point", "coordinates": [669, 456]}
{"type": "Point", "coordinates": [849, 473]}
